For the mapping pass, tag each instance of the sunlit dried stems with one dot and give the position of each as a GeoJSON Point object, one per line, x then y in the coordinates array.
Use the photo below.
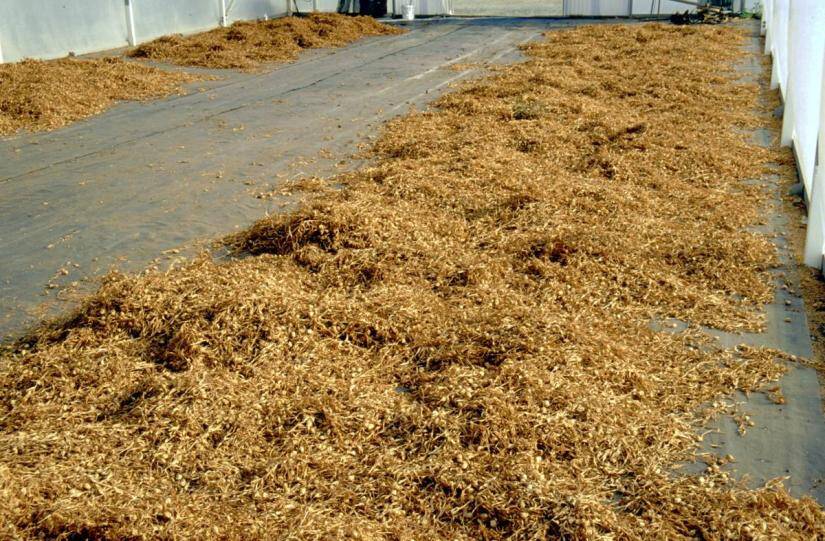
{"type": "Point", "coordinates": [456, 346]}
{"type": "Point", "coordinates": [245, 45]}
{"type": "Point", "coordinates": [37, 95]}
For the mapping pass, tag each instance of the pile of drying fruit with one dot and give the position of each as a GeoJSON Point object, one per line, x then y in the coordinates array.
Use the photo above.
{"type": "Point", "coordinates": [43, 95]}
{"type": "Point", "coordinates": [456, 346]}
{"type": "Point", "coordinates": [245, 45]}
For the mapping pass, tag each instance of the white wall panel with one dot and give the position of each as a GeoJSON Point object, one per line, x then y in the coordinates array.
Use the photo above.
{"type": "Point", "coordinates": [53, 28]}
{"type": "Point", "coordinates": [155, 18]}
{"type": "Point", "coordinates": [241, 10]}
{"type": "Point", "coordinates": [598, 8]}
{"type": "Point", "coordinates": [806, 48]}
{"type": "Point", "coordinates": [665, 7]}
{"type": "Point", "coordinates": [779, 44]}
{"type": "Point", "coordinates": [621, 8]}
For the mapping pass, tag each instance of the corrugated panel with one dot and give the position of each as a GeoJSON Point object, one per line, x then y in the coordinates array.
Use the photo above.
{"type": "Point", "coordinates": [621, 8]}
{"type": "Point", "coordinates": [241, 10]}
{"type": "Point", "coordinates": [659, 7]}
{"type": "Point", "coordinates": [598, 8]}
{"type": "Point", "coordinates": [49, 29]}
{"type": "Point", "coordinates": [510, 8]}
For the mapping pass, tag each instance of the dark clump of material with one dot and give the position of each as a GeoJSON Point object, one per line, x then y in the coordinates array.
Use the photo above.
{"type": "Point", "coordinates": [246, 45]}
{"type": "Point", "coordinates": [455, 346]}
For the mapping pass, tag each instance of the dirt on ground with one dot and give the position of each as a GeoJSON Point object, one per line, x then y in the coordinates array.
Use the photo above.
{"type": "Point", "coordinates": [246, 45]}
{"type": "Point", "coordinates": [37, 95]}
{"type": "Point", "coordinates": [455, 346]}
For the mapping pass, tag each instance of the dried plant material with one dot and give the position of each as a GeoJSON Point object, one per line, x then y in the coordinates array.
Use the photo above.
{"type": "Point", "coordinates": [456, 346]}
{"type": "Point", "coordinates": [37, 95]}
{"type": "Point", "coordinates": [466, 66]}
{"type": "Point", "coordinates": [743, 422]}
{"type": "Point", "coordinates": [775, 394]}
{"type": "Point", "coordinates": [246, 45]}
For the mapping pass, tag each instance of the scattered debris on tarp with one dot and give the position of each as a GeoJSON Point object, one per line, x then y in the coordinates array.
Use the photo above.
{"type": "Point", "coordinates": [246, 45]}
{"type": "Point", "coordinates": [455, 346]}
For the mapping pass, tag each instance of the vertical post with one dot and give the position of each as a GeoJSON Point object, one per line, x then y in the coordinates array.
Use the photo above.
{"type": "Point", "coordinates": [314, 5]}
{"type": "Point", "coordinates": [131, 37]}
{"type": "Point", "coordinates": [767, 17]}
{"type": "Point", "coordinates": [630, 8]}
{"type": "Point", "coordinates": [223, 13]}
{"type": "Point", "coordinates": [816, 222]}
{"type": "Point", "coordinates": [565, 9]}
{"type": "Point", "coordinates": [779, 45]}
{"type": "Point", "coordinates": [763, 23]}
{"type": "Point", "coordinates": [289, 7]}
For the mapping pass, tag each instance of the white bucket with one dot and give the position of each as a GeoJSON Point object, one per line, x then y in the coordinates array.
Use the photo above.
{"type": "Point", "coordinates": [408, 12]}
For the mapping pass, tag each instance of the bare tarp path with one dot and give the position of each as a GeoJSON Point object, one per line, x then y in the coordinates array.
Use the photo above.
{"type": "Point", "coordinates": [147, 177]}
{"type": "Point", "coordinates": [786, 439]}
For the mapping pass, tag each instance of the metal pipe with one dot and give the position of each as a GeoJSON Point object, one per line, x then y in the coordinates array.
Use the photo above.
{"type": "Point", "coordinates": [223, 12]}
{"type": "Point", "coordinates": [131, 37]}
{"type": "Point", "coordinates": [314, 5]}
{"type": "Point", "coordinates": [1, 51]}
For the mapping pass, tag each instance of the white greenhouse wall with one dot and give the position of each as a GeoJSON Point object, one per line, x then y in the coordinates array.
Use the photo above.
{"type": "Point", "coordinates": [795, 40]}
{"type": "Point", "coordinates": [598, 8]}
{"type": "Point", "coordinates": [155, 18]}
{"type": "Point", "coordinates": [52, 28]}
{"type": "Point", "coordinates": [622, 8]}
{"type": "Point", "coordinates": [424, 7]}
{"type": "Point", "coordinates": [643, 7]}
{"type": "Point", "coordinates": [243, 10]}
